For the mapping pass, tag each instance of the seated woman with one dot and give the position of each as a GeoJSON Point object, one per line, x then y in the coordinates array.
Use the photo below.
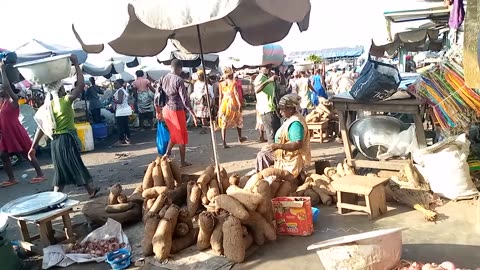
{"type": "Point", "coordinates": [291, 150]}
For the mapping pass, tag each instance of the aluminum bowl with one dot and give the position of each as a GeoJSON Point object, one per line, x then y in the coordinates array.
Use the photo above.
{"type": "Point", "coordinates": [373, 135]}
{"type": "Point", "coordinates": [46, 70]}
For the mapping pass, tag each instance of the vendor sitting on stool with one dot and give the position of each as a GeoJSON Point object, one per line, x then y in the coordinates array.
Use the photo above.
{"type": "Point", "coordinates": [291, 150]}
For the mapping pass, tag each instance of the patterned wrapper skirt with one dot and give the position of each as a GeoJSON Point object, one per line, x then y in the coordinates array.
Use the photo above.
{"type": "Point", "coordinates": [67, 161]}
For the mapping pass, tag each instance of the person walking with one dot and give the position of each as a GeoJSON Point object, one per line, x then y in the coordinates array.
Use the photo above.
{"type": "Point", "coordinates": [145, 93]}
{"type": "Point", "coordinates": [230, 112]}
{"type": "Point", "coordinates": [95, 106]}
{"type": "Point", "coordinates": [65, 145]}
{"type": "Point", "coordinates": [304, 89]}
{"type": "Point", "coordinates": [265, 94]}
{"type": "Point", "coordinates": [177, 102]}
{"type": "Point", "coordinates": [199, 98]}
{"type": "Point", "coordinates": [13, 136]}
{"type": "Point", "coordinates": [123, 110]}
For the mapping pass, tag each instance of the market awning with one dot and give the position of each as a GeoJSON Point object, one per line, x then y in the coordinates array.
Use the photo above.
{"type": "Point", "coordinates": [330, 53]}
{"type": "Point", "coordinates": [36, 49]}
{"type": "Point", "coordinates": [414, 30]}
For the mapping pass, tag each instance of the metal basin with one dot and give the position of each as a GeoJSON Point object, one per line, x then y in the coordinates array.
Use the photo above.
{"type": "Point", "coordinates": [373, 135]}
{"type": "Point", "coordinates": [46, 70]}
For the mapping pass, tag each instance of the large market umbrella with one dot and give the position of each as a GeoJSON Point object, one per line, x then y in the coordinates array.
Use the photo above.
{"type": "Point", "coordinates": [106, 70]}
{"type": "Point", "coordinates": [36, 49]}
{"type": "Point", "coordinates": [192, 60]}
{"type": "Point", "coordinates": [200, 27]}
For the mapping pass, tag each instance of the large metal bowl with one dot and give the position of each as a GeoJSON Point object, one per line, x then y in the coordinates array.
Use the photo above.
{"type": "Point", "coordinates": [373, 135]}
{"type": "Point", "coordinates": [46, 70]}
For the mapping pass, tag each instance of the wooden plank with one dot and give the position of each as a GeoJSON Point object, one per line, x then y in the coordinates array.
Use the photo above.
{"type": "Point", "coordinates": [67, 223]}
{"type": "Point", "coordinates": [42, 229]}
{"type": "Point", "coordinates": [346, 141]}
{"type": "Point", "coordinates": [353, 207]}
{"type": "Point", "coordinates": [357, 184]}
{"type": "Point", "coordinates": [24, 234]}
{"type": "Point", "coordinates": [392, 165]}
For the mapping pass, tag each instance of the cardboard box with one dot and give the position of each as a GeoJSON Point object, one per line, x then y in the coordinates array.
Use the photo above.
{"type": "Point", "coordinates": [293, 215]}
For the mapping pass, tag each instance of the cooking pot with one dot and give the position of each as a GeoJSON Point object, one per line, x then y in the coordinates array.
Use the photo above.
{"type": "Point", "coordinates": [374, 135]}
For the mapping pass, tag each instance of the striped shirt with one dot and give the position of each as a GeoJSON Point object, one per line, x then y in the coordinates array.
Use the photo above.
{"type": "Point", "coordinates": [176, 93]}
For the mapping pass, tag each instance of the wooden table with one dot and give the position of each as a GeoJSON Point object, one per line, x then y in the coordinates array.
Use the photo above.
{"type": "Point", "coordinates": [345, 106]}
{"type": "Point", "coordinates": [43, 221]}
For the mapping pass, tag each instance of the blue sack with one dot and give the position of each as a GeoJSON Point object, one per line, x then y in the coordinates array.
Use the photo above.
{"type": "Point", "coordinates": [163, 137]}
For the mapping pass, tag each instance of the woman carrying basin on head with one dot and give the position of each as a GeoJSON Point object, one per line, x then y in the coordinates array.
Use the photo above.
{"type": "Point", "coordinates": [65, 146]}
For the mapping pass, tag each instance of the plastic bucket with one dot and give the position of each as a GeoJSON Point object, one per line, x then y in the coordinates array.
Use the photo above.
{"type": "Point", "coordinates": [100, 131]}
{"type": "Point", "coordinates": [85, 134]}
{"type": "Point", "coordinates": [315, 214]}
{"type": "Point", "coordinates": [119, 259]}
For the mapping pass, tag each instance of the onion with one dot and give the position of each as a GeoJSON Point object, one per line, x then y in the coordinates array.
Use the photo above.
{"type": "Point", "coordinates": [448, 265]}
{"type": "Point", "coordinates": [415, 266]}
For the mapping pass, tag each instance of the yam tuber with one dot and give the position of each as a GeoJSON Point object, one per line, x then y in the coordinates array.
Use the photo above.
{"type": "Point", "coordinates": [248, 199]}
{"type": "Point", "coordinates": [167, 173]}
{"type": "Point", "coordinates": [205, 178]}
{"type": "Point", "coordinates": [261, 225]}
{"type": "Point", "coordinates": [248, 240]}
{"type": "Point", "coordinates": [265, 207]}
{"type": "Point", "coordinates": [157, 176]}
{"type": "Point", "coordinates": [118, 208]}
{"type": "Point", "coordinates": [252, 181]}
{"type": "Point", "coordinates": [323, 179]}
{"type": "Point", "coordinates": [233, 180]}
{"type": "Point", "coordinates": [325, 198]}
{"type": "Point", "coordinates": [151, 224]}
{"type": "Point", "coordinates": [348, 169]}
{"type": "Point", "coordinates": [233, 244]}
{"type": "Point", "coordinates": [329, 171]}
{"type": "Point", "coordinates": [122, 198]}
{"type": "Point", "coordinates": [274, 186]}
{"type": "Point", "coordinates": [153, 192]}
{"type": "Point", "coordinates": [285, 189]}
{"type": "Point", "coordinates": [213, 190]}
{"type": "Point", "coordinates": [314, 197]}
{"type": "Point", "coordinates": [150, 203]}
{"type": "Point", "coordinates": [340, 170]}
{"type": "Point", "coordinates": [305, 185]}
{"type": "Point", "coordinates": [162, 240]}
{"type": "Point", "coordinates": [177, 175]}
{"type": "Point", "coordinates": [115, 191]}
{"type": "Point", "coordinates": [204, 199]}
{"type": "Point", "coordinates": [137, 195]}
{"type": "Point", "coordinates": [216, 239]}
{"type": "Point", "coordinates": [179, 244]}
{"type": "Point", "coordinates": [243, 181]}
{"type": "Point", "coordinates": [193, 201]}
{"type": "Point", "coordinates": [181, 229]}
{"type": "Point", "coordinates": [335, 177]}
{"type": "Point", "coordinates": [206, 223]}
{"type": "Point", "coordinates": [231, 205]}
{"type": "Point", "coordinates": [158, 204]}
{"type": "Point", "coordinates": [178, 195]}
{"type": "Point", "coordinates": [162, 212]}
{"type": "Point", "coordinates": [223, 178]}
{"type": "Point", "coordinates": [279, 173]}
{"type": "Point", "coordinates": [148, 179]}
{"type": "Point", "coordinates": [327, 190]}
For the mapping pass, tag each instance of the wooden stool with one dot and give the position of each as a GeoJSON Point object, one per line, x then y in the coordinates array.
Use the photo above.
{"type": "Point", "coordinates": [318, 130]}
{"type": "Point", "coordinates": [43, 221]}
{"type": "Point", "coordinates": [371, 187]}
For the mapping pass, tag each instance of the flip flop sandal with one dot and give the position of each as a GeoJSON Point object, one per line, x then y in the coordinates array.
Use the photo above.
{"type": "Point", "coordinates": [94, 193]}
{"type": "Point", "coordinates": [37, 180]}
{"type": "Point", "coordinates": [8, 183]}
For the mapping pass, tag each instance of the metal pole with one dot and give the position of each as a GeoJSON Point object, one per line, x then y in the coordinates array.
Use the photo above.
{"type": "Point", "coordinates": [212, 131]}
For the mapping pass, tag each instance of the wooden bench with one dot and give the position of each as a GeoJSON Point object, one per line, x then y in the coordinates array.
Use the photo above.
{"type": "Point", "coordinates": [371, 187]}
{"type": "Point", "coordinates": [43, 221]}
{"type": "Point", "coordinates": [318, 131]}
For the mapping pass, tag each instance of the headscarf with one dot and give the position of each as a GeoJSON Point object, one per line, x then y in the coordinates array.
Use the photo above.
{"type": "Point", "coordinates": [227, 71]}
{"type": "Point", "coordinates": [289, 101]}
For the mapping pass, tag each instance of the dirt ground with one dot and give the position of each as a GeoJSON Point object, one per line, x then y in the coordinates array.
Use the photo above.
{"type": "Point", "coordinates": [454, 237]}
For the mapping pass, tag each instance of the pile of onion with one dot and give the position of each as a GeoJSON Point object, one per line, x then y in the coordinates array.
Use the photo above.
{"type": "Point", "coordinates": [97, 247]}
{"type": "Point", "coordinates": [429, 266]}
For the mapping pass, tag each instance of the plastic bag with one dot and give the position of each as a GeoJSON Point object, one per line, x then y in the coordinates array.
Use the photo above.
{"type": "Point", "coordinates": [405, 143]}
{"type": "Point", "coordinates": [444, 166]}
{"type": "Point", "coordinates": [163, 137]}
{"type": "Point", "coordinates": [376, 82]}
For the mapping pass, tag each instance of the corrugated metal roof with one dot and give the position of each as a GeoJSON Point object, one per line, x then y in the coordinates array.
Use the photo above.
{"type": "Point", "coordinates": [330, 53]}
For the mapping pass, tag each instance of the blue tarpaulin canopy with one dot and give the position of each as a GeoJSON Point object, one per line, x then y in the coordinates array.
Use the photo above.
{"type": "Point", "coordinates": [343, 52]}
{"type": "Point", "coordinates": [36, 49]}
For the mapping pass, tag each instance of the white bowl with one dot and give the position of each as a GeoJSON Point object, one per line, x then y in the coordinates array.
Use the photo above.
{"type": "Point", "coordinates": [374, 250]}
{"type": "Point", "coordinates": [46, 70]}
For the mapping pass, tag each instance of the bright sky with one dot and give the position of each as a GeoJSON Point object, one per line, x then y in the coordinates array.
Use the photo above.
{"type": "Point", "coordinates": [335, 23]}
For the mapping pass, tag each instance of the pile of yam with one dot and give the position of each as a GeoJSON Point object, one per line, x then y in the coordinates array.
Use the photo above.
{"type": "Point", "coordinates": [118, 202]}
{"type": "Point", "coordinates": [324, 111]}
{"type": "Point", "coordinates": [319, 187]}
{"type": "Point", "coordinates": [168, 226]}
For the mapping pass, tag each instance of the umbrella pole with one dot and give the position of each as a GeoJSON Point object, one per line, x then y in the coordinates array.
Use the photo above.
{"type": "Point", "coordinates": [212, 130]}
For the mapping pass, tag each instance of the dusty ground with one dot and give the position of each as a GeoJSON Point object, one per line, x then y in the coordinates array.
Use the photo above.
{"type": "Point", "coordinates": [454, 237]}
